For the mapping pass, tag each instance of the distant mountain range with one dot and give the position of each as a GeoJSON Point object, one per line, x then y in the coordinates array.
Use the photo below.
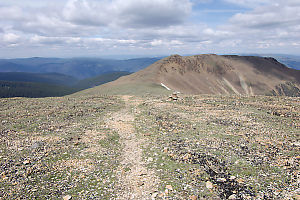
{"type": "Point", "coordinates": [212, 74]}
{"type": "Point", "coordinates": [209, 74]}
{"type": "Point", "coordinates": [27, 77]}
{"type": "Point", "coordinates": [80, 68]}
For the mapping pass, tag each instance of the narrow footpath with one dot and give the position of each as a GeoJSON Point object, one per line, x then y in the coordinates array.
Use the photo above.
{"type": "Point", "coordinates": [135, 180]}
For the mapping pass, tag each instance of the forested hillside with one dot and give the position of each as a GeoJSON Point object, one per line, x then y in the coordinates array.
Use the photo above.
{"type": "Point", "coordinates": [29, 89]}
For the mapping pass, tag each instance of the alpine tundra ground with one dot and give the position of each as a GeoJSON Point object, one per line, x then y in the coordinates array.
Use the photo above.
{"type": "Point", "coordinates": [146, 147]}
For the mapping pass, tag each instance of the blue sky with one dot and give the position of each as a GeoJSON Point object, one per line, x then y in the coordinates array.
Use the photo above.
{"type": "Point", "coordinates": [215, 13]}
{"type": "Point", "coordinates": [100, 28]}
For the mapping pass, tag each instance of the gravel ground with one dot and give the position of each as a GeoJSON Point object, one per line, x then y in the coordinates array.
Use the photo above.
{"type": "Point", "coordinates": [198, 147]}
{"type": "Point", "coordinates": [58, 147]}
{"type": "Point", "coordinates": [216, 147]}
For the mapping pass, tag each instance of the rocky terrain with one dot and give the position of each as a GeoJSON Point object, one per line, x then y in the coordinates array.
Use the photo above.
{"type": "Point", "coordinates": [215, 74]}
{"type": "Point", "coordinates": [58, 147]}
{"type": "Point", "coordinates": [148, 147]}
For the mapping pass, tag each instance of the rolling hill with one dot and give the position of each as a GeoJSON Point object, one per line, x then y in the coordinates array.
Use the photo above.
{"type": "Point", "coordinates": [99, 80]}
{"type": "Point", "coordinates": [212, 74]}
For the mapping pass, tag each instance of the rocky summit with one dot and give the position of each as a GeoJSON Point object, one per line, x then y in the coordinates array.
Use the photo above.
{"type": "Point", "coordinates": [216, 74]}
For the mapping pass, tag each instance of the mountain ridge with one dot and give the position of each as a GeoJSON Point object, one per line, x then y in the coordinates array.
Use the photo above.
{"type": "Point", "coordinates": [215, 74]}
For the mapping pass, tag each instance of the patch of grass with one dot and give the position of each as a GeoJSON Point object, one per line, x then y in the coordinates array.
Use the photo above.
{"type": "Point", "coordinates": [227, 129]}
{"type": "Point", "coordinates": [44, 153]}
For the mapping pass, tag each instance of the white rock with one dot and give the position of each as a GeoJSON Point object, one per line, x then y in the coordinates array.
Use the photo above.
{"type": "Point", "coordinates": [67, 197]}
{"type": "Point", "coordinates": [209, 185]}
{"type": "Point", "coordinates": [221, 180]}
{"type": "Point", "coordinates": [233, 196]}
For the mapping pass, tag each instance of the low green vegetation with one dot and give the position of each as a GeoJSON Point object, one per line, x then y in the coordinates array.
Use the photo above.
{"type": "Point", "coordinates": [243, 146]}
{"type": "Point", "coordinates": [99, 80]}
{"type": "Point", "coordinates": [205, 147]}
{"type": "Point", "coordinates": [137, 89]}
{"type": "Point", "coordinates": [54, 147]}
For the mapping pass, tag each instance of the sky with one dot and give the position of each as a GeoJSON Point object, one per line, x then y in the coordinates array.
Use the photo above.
{"type": "Point", "coordinates": [138, 28]}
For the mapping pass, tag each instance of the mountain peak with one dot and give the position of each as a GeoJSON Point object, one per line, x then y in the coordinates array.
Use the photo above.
{"type": "Point", "coordinates": [215, 74]}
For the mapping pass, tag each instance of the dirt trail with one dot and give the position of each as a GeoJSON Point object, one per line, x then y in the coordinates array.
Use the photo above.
{"type": "Point", "coordinates": [135, 180]}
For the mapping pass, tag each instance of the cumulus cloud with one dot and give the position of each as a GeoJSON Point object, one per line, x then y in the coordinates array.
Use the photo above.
{"type": "Point", "coordinates": [155, 13]}
{"type": "Point", "coordinates": [10, 38]}
{"type": "Point", "coordinates": [269, 27]}
{"type": "Point", "coordinates": [12, 13]}
{"type": "Point", "coordinates": [127, 13]}
{"type": "Point", "coordinates": [89, 13]}
{"type": "Point", "coordinates": [271, 22]}
{"type": "Point", "coordinates": [266, 17]}
{"type": "Point", "coordinates": [117, 25]}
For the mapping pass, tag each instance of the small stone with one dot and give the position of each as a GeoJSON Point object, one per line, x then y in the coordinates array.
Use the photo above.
{"type": "Point", "coordinates": [37, 145]}
{"type": "Point", "coordinates": [142, 174]}
{"type": "Point", "coordinates": [297, 196]}
{"type": "Point", "coordinates": [232, 177]}
{"type": "Point", "coordinates": [233, 196]}
{"type": "Point", "coordinates": [209, 185]}
{"type": "Point", "coordinates": [169, 187]}
{"type": "Point", "coordinates": [296, 144]}
{"type": "Point", "coordinates": [166, 149]}
{"type": "Point", "coordinates": [26, 162]}
{"type": "Point", "coordinates": [187, 156]}
{"type": "Point", "coordinates": [240, 180]}
{"type": "Point", "coordinates": [67, 197]}
{"type": "Point", "coordinates": [193, 197]}
{"type": "Point", "coordinates": [150, 159]}
{"type": "Point", "coordinates": [222, 180]}
{"type": "Point", "coordinates": [141, 183]}
{"type": "Point", "coordinates": [154, 195]}
{"type": "Point", "coordinates": [161, 195]}
{"type": "Point", "coordinates": [166, 191]}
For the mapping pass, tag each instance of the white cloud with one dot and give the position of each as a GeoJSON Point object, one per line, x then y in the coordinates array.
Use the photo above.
{"type": "Point", "coordinates": [156, 42]}
{"type": "Point", "coordinates": [87, 13]}
{"type": "Point", "coordinates": [156, 25]}
{"type": "Point", "coordinates": [10, 38]}
{"type": "Point", "coordinates": [11, 13]}
{"type": "Point", "coordinates": [272, 16]}
{"type": "Point", "coordinates": [127, 13]}
{"type": "Point", "coordinates": [155, 13]}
